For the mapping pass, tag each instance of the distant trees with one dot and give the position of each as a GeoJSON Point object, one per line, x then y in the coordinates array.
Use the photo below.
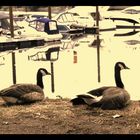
{"type": "Point", "coordinates": [33, 8]}
{"type": "Point", "coordinates": [36, 8]}
{"type": "Point", "coordinates": [29, 8]}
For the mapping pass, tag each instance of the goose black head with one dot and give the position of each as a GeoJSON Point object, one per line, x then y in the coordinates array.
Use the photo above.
{"type": "Point", "coordinates": [121, 66]}
{"type": "Point", "coordinates": [43, 72]}
{"type": "Point", "coordinates": [118, 67]}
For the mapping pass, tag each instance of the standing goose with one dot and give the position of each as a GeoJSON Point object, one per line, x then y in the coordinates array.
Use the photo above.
{"type": "Point", "coordinates": [107, 97]}
{"type": "Point", "coordinates": [25, 93]}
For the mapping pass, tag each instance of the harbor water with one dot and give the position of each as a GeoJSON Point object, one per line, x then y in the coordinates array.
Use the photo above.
{"type": "Point", "coordinates": [76, 70]}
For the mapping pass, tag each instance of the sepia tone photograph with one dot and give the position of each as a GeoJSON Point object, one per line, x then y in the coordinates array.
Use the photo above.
{"type": "Point", "coordinates": [69, 69]}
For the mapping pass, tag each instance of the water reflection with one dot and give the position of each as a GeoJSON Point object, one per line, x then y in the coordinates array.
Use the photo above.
{"type": "Point", "coordinates": [132, 42]}
{"type": "Point", "coordinates": [76, 69]}
{"type": "Point", "coordinates": [127, 33]}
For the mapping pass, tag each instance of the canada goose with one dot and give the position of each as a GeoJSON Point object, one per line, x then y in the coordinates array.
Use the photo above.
{"type": "Point", "coordinates": [107, 97]}
{"type": "Point", "coordinates": [25, 93]}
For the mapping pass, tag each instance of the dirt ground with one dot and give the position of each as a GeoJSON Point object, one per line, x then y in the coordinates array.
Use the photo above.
{"type": "Point", "coordinates": [58, 116]}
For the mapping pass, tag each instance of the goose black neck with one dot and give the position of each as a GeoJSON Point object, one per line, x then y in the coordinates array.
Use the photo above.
{"type": "Point", "coordinates": [118, 80]}
{"type": "Point", "coordinates": [40, 80]}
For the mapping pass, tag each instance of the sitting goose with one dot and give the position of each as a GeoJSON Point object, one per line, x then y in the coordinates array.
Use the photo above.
{"type": "Point", "coordinates": [107, 97]}
{"type": "Point", "coordinates": [25, 93]}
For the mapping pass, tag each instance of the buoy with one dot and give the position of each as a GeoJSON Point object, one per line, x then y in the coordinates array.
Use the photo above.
{"type": "Point", "coordinates": [74, 56]}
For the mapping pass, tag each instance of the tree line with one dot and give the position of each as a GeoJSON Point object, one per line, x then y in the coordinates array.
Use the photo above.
{"type": "Point", "coordinates": [35, 8]}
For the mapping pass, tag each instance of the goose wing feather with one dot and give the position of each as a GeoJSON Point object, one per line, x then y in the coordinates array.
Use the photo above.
{"type": "Point", "coordinates": [90, 99]}
{"type": "Point", "coordinates": [19, 90]}
{"type": "Point", "coordinates": [98, 92]}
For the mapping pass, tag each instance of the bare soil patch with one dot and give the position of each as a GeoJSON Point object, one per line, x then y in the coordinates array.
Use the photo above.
{"type": "Point", "coordinates": [58, 116]}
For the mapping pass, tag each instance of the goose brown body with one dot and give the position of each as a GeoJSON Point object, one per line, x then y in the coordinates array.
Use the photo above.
{"type": "Point", "coordinates": [107, 97]}
{"type": "Point", "coordinates": [25, 93]}
{"type": "Point", "coordinates": [22, 93]}
{"type": "Point", "coordinates": [112, 97]}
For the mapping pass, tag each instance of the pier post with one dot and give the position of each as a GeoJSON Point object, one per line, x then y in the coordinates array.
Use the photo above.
{"type": "Point", "coordinates": [98, 44]}
{"type": "Point", "coordinates": [12, 36]}
{"type": "Point", "coordinates": [11, 21]}
{"type": "Point", "coordinates": [14, 67]}
{"type": "Point", "coordinates": [51, 58]}
{"type": "Point", "coordinates": [49, 12]}
{"type": "Point", "coordinates": [52, 76]}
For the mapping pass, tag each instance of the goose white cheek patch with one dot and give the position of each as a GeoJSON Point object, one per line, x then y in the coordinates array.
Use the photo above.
{"type": "Point", "coordinates": [121, 66]}
{"type": "Point", "coordinates": [43, 73]}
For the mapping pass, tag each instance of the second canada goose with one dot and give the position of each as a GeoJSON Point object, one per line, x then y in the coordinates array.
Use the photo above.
{"type": "Point", "coordinates": [107, 97]}
{"type": "Point", "coordinates": [25, 93]}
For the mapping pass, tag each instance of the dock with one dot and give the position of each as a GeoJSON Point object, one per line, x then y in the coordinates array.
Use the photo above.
{"type": "Point", "coordinates": [22, 43]}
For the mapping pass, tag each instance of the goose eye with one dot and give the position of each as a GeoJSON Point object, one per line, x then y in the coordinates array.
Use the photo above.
{"type": "Point", "coordinates": [121, 66]}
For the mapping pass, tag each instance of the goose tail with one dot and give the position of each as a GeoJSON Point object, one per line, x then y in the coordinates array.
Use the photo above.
{"type": "Point", "coordinates": [77, 101]}
{"type": "Point", "coordinates": [86, 99]}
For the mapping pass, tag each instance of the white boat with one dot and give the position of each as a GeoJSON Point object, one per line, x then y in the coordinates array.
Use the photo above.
{"type": "Point", "coordinates": [83, 16]}
{"type": "Point", "coordinates": [65, 18]}
{"type": "Point", "coordinates": [29, 16]}
{"type": "Point", "coordinates": [44, 27]}
{"type": "Point", "coordinates": [86, 15]}
{"type": "Point", "coordinates": [39, 28]}
{"type": "Point", "coordinates": [126, 18]}
{"type": "Point", "coordinates": [69, 26]}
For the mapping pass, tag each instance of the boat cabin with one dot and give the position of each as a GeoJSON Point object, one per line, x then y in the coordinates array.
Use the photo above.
{"type": "Point", "coordinates": [45, 25]}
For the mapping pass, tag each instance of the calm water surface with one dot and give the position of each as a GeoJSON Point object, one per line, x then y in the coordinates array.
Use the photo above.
{"type": "Point", "coordinates": [74, 78]}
